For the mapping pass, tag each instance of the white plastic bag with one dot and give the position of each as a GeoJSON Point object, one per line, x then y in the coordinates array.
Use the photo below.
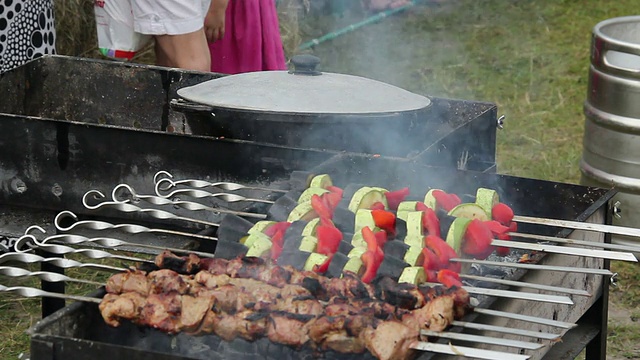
{"type": "Point", "coordinates": [116, 37]}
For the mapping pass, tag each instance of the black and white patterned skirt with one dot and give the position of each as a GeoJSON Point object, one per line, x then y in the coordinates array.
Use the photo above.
{"type": "Point", "coordinates": [27, 31]}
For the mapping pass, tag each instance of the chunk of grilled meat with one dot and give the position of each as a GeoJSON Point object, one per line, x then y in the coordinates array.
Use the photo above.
{"type": "Point", "coordinates": [288, 329]}
{"type": "Point", "coordinates": [390, 340]}
{"type": "Point", "coordinates": [128, 281]}
{"type": "Point", "coordinates": [165, 281]}
{"type": "Point", "coordinates": [181, 264]}
{"type": "Point", "coordinates": [115, 307]}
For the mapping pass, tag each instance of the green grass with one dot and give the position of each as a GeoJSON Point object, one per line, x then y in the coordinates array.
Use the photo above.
{"type": "Point", "coordinates": [531, 58]}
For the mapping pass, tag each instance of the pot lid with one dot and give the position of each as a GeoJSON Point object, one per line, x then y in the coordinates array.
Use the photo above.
{"type": "Point", "coordinates": [303, 90]}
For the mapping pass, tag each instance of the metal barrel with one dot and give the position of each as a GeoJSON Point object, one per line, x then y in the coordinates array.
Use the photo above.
{"type": "Point", "coordinates": [611, 142]}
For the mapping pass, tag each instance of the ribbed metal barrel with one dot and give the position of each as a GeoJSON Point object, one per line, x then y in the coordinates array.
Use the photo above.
{"type": "Point", "coordinates": [611, 143]}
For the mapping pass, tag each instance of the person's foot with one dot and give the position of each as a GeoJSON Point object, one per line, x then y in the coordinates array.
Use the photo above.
{"type": "Point", "coordinates": [379, 5]}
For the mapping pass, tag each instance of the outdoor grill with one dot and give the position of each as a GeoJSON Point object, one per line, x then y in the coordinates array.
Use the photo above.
{"type": "Point", "coordinates": [72, 125]}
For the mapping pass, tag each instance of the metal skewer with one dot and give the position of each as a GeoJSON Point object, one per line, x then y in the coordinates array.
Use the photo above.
{"type": "Point", "coordinates": [506, 330]}
{"type": "Point", "coordinates": [59, 262]}
{"type": "Point", "coordinates": [566, 250]}
{"type": "Point", "coordinates": [200, 194]}
{"type": "Point", "coordinates": [129, 228]}
{"type": "Point", "coordinates": [130, 208]}
{"type": "Point", "coordinates": [610, 229]}
{"type": "Point", "coordinates": [483, 339]}
{"type": "Point", "coordinates": [629, 248]}
{"type": "Point", "coordinates": [224, 185]}
{"type": "Point", "coordinates": [118, 191]}
{"type": "Point", "coordinates": [33, 292]}
{"type": "Point", "coordinates": [528, 285]}
{"type": "Point", "coordinates": [466, 351]}
{"type": "Point", "coordinates": [605, 272]}
{"type": "Point", "coordinates": [526, 318]}
{"type": "Point", "coordinates": [43, 275]}
{"type": "Point", "coordinates": [111, 242]}
{"type": "Point", "coordinates": [31, 242]}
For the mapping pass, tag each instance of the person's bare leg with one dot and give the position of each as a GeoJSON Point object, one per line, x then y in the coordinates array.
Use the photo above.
{"type": "Point", "coordinates": [186, 51]}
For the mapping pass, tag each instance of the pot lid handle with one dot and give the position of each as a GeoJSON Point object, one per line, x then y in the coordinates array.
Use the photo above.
{"type": "Point", "coordinates": [305, 64]}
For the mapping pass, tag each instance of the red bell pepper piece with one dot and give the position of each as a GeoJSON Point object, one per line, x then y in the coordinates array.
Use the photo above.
{"type": "Point", "coordinates": [377, 206]}
{"type": "Point", "coordinates": [329, 239]}
{"type": "Point", "coordinates": [431, 261]}
{"type": "Point", "coordinates": [502, 213]}
{"type": "Point", "coordinates": [420, 206]}
{"type": "Point", "coordinates": [503, 250]}
{"type": "Point", "coordinates": [432, 276]}
{"type": "Point", "coordinates": [372, 242]}
{"type": "Point", "coordinates": [321, 208]}
{"type": "Point", "coordinates": [394, 198]}
{"type": "Point", "coordinates": [385, 220]}
{"type": "Point", "coordinates": [275, 252]}
{"type": "Point", "coordinates": [443, 251]}
{"type": "Point", "coordinates": [335, 190]}
{"type": "Point", "coordinates": [499, 231]}
{"type": "Point", "coordinates": [322, 268]}
{"type": "Point", "coordinates": [381, 238]}
{"type": "Point", "coordinates": [271, 230]}
{"type": "Point", "coordinates": [477, 240]}
{"type": "Point", "coordinates": [449, 278]}
{"type": "Point", "coordinates": [430, 222]}
{"type": "Point", "coordinates": [331, 199]}
{"type": "Point", "coordinates": [371, 261]}
{"type": "Point", "coordinates": [446, 201]}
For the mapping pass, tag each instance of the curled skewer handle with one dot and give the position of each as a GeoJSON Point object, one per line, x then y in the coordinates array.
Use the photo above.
{"type": "Point", "coordinates": [124, 206]}
{"type": "Point", "coordinates": [42, 275]}
{"type": "Point", "coordinates": [102, 225]}
{"type": "Point", "coordinates": [33, 292]}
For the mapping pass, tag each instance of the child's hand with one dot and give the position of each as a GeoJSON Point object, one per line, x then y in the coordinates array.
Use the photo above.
{"type": "Point", "coordinates": [214, 21]}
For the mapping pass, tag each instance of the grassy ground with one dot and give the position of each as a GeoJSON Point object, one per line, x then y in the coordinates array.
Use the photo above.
{"type": "Point", "coordinates": [529, 57]}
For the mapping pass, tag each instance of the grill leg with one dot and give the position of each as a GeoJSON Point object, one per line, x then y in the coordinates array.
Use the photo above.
{"type": "Point", "coordinates": [50, 305]}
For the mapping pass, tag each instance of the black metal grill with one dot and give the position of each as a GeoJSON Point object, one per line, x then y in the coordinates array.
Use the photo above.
{"type": "Point", "coordinates": [70, 125]}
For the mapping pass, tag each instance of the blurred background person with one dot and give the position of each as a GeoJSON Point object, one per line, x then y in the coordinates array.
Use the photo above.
{"type": "Point", "coordinates": [251, 39]}
{"type": "Point", "coordinates": [27, 31]}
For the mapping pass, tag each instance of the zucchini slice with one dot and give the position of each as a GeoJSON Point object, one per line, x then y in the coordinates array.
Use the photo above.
{"type": "Point", "coordinates": [430, 200]}
{"type": "Point", "coordinates": [293, 236]}
{"type": "Point", "coordinates": [487, 199]}
{"type": "Point", "coordinates": [313, 260]}
{"type": "Point", "coordinates": [310, 229]}
{"type": "Point", "coordinates": [308, 244]}
{"type": "Point", "coordinates": [414, 240]}
{"type": "Point", "coordinates": [309, 192]}
{"type": "Point", "coordinates": [414, 223]}
{"type": "Point", "coordinates": [413, 256]}
{"type": "Point", "coordinates": [260, 226]}
{"type": "Point", "coordinates": [413, 275]}
{"type": "Point", "coordinates": [354, 265]}
{"type": "Point", "coordinates": [455, 236]}
{"type": "Point", "coordinates": [357, 252]}
{"type": "Point", "coordinates": [303, 211]}
{"type": "Point", "coordinates": [321, 181]}
{"type": "Point", "coordinates": [253, 238]}
{"type": "Point", "coordinates": [470, 211]}
{"type": "Point", "coordinates": [364, 218]}
{"type": "Point", "coordinates": [260, 247]}
{"type": "Point", "coordinates": [404, 208]}
{"type": "Point", "coordinates": [365, 197]}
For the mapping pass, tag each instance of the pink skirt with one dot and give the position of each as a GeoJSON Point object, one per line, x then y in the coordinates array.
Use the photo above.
{"type": "Point", "coordinates": [251, 41]}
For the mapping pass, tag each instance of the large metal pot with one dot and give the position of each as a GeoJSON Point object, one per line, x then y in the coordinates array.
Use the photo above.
{"type": "Point", "coordinates": [310, 109]}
